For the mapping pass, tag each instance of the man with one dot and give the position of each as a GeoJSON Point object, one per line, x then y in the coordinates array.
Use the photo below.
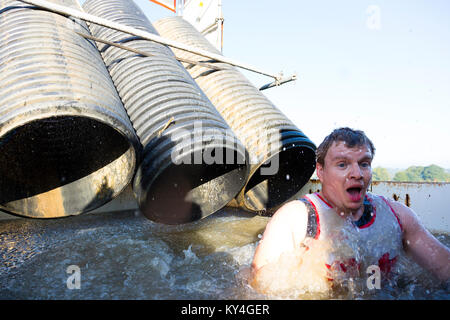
{"type": "Point", "coordinates": [356, 229]}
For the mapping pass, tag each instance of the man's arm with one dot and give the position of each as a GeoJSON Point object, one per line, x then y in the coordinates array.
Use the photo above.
{"type": "Point", "coordinates": [424, 248]}
{"type": "Point", "coordinates": [285, 231]}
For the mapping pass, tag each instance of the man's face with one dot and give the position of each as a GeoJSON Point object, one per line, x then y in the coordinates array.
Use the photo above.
{"type": "Point", "coordinates": [345, 176]}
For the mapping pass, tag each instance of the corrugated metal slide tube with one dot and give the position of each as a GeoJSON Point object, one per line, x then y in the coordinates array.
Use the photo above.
{"type": "Point", "coordinates": [67, 145]}
{"type": "Point", "coordinates": [193, 164]}
{"type": "Point", "coordinates": [282, 157]}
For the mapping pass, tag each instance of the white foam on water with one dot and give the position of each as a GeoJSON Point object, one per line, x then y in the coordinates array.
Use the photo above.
{"type": "Point", "coordinates": [125, 256]}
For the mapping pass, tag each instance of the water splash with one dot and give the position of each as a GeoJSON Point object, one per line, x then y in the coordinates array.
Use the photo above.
{"type": "Point", "coordinates": [122, 255]}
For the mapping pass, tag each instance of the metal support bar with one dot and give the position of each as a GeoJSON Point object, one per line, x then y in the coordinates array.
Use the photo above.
{"type": "Point", "coordinates": [210, 28]}
{"type": "Point", "coordinates": [143, 34]}
{"type": "Point", "coordinates": [281, 80]}
{"type": "Point", "coordinates": [146, 54]}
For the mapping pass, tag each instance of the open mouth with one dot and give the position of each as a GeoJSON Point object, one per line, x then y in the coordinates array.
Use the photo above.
{"type": "Point", "coordinates": [354, 193]}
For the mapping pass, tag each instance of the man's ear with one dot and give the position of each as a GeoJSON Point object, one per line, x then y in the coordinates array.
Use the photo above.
{"type": "Point", "coordinates": [319, 171]}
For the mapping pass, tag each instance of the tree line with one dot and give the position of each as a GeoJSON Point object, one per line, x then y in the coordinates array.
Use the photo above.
{"type": "Point", "coordinates": [431, 173]}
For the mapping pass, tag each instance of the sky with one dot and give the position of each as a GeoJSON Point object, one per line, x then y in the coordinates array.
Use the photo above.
{"type": "Point", "coordinates": [379, 66]}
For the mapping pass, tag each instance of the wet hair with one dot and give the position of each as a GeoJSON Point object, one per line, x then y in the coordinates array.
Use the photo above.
{"type": "Point", "coordinates": [352, 138]}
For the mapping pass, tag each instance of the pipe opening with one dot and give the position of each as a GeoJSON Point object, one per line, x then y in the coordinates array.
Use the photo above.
{"type": "Point", "coordinates": [62, 166]}
{"type": "Point", "coordinates": [188, 192]}
{"type": "Point", "coordinates": [291, 170]}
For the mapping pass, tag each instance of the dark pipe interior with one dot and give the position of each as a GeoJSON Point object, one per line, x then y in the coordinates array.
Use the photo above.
{"type": "Point", "coordinates": [187, 192]}
{"type": "Point", "coordinates": [264, 193]}
{"type": "Point", "coordinates": [45, 154]}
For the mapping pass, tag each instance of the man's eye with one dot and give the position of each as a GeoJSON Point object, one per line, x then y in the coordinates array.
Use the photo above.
{"type": "Point", "coordinates": [341, 164]}
{"type": "Point", "coordinates": [365, 165]}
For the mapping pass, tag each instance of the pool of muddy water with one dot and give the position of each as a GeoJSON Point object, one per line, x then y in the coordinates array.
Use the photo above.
{"type": "Point", "coordinates": [123, 255]}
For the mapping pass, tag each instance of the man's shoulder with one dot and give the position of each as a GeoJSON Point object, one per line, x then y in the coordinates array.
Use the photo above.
{"type": "Point", "coordinates": [292, 210]}
{"type": "Point", "coordinates": [407, 217]}
{"type": "Point", "coordinates": [389, 201]}
{"type": "Point", "coordinates": [296, 205]}
{"type": "Point", "coordinates": [393, 204]}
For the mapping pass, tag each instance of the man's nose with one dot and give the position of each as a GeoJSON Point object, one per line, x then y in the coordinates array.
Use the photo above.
{"type": "Point", "coordinates": [355, 171]}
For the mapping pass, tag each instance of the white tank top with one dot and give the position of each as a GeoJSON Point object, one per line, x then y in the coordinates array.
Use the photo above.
{"type": "Point", "coordinates": [375, 239]}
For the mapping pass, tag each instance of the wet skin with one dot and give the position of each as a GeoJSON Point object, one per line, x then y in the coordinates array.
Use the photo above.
{"type": "Point", "coordinates": [345, 175]}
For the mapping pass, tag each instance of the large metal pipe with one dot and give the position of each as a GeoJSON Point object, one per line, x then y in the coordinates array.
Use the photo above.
{"type": "Point", "coordinates": [140, 33]}
{"type": "Point", "coordinates": [67, 145]}
{"type": "Point", "coordinates": [282, 157]}
{"type": "Point", "coordinates": [193, 164]}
